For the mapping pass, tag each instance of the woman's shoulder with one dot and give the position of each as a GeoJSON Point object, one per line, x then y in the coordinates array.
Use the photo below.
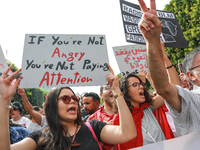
{"type": "Point", "coordinates": [35, 135]}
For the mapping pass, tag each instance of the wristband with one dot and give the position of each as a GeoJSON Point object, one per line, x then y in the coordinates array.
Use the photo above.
{"type": "Point", "coordinates": [7, 106]}
{"type": "Point", "coordinates": [169, 66]}
{"type": "Point", "coordinates": [118, 94]}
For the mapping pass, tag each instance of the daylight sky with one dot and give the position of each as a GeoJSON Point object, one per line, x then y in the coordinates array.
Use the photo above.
{"type": "Point", "coordinates": [62, 17]}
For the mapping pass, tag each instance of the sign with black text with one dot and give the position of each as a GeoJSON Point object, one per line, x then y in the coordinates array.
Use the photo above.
{"type": "Point", "coordinates": [171, 33]}
{"type": "Point", "coordinates": [57, 60]}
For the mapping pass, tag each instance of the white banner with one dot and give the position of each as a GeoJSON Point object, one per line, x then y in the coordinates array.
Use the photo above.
{"type": "Point", "coordinates": [186, 142]}
{"type": "Point", "coordinates": [57, 60]}
{"type": "Point", "coordinates": [3, 64]}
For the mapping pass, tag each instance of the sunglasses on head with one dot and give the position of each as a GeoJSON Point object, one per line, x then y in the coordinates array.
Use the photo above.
{"type": "Point", "coordinates": [67, 99]}
{"type": "Point", "coordinates": [107, 87]}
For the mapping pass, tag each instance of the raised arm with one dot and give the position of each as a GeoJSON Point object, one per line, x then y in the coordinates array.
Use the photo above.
{"type": "Point", "coordinates": [29, 108]}
{"type": "Point", "coordinates": [155, 55]}
{"type": "Point", "coordinates": [126, 131]}
{"type": "Point", "coordinates": [7, 91]}
{"type": "Point", "coordinates": [171, 71]}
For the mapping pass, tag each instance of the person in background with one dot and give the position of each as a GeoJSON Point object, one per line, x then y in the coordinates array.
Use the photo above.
{"type": "Point", "coordinates": [38, 118]}
{"type": "Point", "coordinates": [17, 131]}
{"type": "Point", "coordinates": [91, 102]}
{"type": "Point", "coordinates": [105, 113]}
{"type": "Point", "coordinates": [33, 126]}
{"type": "Point", "coordinates": [141, 107]}
{"type": "Point", "coordinates": [16, 115]}
{"type": "Point", "coordinates": [83, 112]}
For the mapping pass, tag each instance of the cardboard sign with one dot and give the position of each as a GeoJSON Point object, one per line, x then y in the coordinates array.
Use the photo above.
{"type": "Point", "coordinates": [171, 32]}
{"type": "Point", "coordinates": [52, 60]}
{"type": "Point", "coordinates": [131, 58]}
{"type": "Point", "coordinates": [3, 64]}
{"type": "Point", "coordinates": [186, 142]}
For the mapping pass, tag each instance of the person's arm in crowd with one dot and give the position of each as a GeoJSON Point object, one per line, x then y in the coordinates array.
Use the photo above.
{"type": "Point", "coordinates": [7, 91]}
{"type": "Point", "coordinates": [148, 76]}
{"type": "Point", "coordinates": [150, 27]}
{"type": "Point", "coordinates": [142, 75]}
{"type": "Point", "coordinates": [29, 108]}
{"type": "Point", "coordinates": [126, 131]}
{"type": "Point", "coordinates": [171, 71]}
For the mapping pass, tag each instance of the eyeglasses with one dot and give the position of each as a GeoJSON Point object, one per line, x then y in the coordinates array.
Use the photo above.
{"type": "Point", "coordinates": [194, 67]}
{"type": "Point", "coordinates": [15, 109]}
{"type": "Point", "coordinates": [67, 99]}
{"type": "Point", "coordinates": [137, 85]}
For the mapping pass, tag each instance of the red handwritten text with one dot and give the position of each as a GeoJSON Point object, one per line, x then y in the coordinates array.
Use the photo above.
{"type": "Point", "coordinates": [71, 55]}
{"type": "Point", "coordinates": [49, 79]}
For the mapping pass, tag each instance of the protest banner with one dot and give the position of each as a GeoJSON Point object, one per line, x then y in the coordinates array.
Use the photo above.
{"type": "Point", "coordinates": [171, 32]}
{"type": "Point", "coordinates": [186, 142]}
{"type": "Point", "coordinates": [131, 58]}
{"type": "Point", "coordinates": [3, 64]}
{"type": "Point", "coordinates": [57, 60]}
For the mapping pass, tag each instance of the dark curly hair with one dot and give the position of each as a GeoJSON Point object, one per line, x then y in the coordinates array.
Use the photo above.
{"type": "Point", "coordinates": [53, 136]}
{"type": "Point", "coordinates": [123, 84]}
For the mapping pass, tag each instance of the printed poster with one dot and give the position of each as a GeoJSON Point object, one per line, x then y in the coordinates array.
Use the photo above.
{"type": "Point", "coordinates": [171, 33]}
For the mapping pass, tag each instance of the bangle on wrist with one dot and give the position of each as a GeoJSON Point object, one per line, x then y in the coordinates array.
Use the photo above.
{"type": "Point", "coordinates": [169, 66]}
{"type": "Point", "coordinates": [118, 94]}
{"type": "Point", "coordinates": [7, 106]}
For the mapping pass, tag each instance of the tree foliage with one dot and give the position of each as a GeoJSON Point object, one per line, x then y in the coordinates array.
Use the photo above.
{"type": "Point", "coordinates": [188, 15]}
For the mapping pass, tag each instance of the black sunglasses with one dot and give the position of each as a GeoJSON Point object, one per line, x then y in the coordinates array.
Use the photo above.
{"type": "Point", "coordinates": [67, 99]}
{"type": "Point", "coordinates": [15, 109]}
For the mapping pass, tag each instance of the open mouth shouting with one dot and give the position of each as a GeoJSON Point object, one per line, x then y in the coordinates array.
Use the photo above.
{"type": "Point", "coordinates": [72, 110]}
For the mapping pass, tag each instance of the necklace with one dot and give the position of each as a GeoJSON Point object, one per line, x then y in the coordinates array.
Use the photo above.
{"type": "Point", "coordinates": [74, 143]}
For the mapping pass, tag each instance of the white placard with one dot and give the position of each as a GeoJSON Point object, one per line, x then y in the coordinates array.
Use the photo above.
{"type": "Point", "coordinates": [3, 64]}
{"type": "Point", "coordinates": [131, 58]}
{"type": "Point", "coordinates": [58, 60]}
{"type": "Point", "coordinates": [186, 142]}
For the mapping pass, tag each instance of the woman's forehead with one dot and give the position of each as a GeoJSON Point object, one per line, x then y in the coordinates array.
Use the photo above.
{"type": "Point", "coordinates": [66, 92]}
{"type": "Point", "coordinates": [133, 79]}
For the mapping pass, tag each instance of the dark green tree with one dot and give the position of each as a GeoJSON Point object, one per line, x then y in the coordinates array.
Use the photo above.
{"type": "Point", "coordinates": [188, 15]}
{"type": "Point", "coordinates": [36, 96]}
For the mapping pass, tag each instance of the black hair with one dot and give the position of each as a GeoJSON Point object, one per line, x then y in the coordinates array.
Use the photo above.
{"type": "Point", "coordinates": [123, 83]}
{"type": "Point", "coordinates": [94, 96]}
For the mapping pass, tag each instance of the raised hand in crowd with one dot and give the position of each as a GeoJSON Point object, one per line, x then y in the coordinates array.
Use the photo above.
{"type": "Point", "coordinates": [183, 104]}
{"type": "Point", "coordinates": [142, 75]}
{"type": "Point", "coordinates": [7, 91]}
{"type": "Point", "coordinates": [39, 119]}
{"type": "Point", "coordinates": [150, 27]}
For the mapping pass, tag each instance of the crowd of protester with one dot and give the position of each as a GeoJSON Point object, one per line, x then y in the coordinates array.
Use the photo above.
{"type": "Point", "coordinates": [130, 115]}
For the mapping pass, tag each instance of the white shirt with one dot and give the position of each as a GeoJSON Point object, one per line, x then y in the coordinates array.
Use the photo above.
{"type": "Point", "coordinates": [196, 89]}
{"type": "Point", "coordinates": [23, 121]}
